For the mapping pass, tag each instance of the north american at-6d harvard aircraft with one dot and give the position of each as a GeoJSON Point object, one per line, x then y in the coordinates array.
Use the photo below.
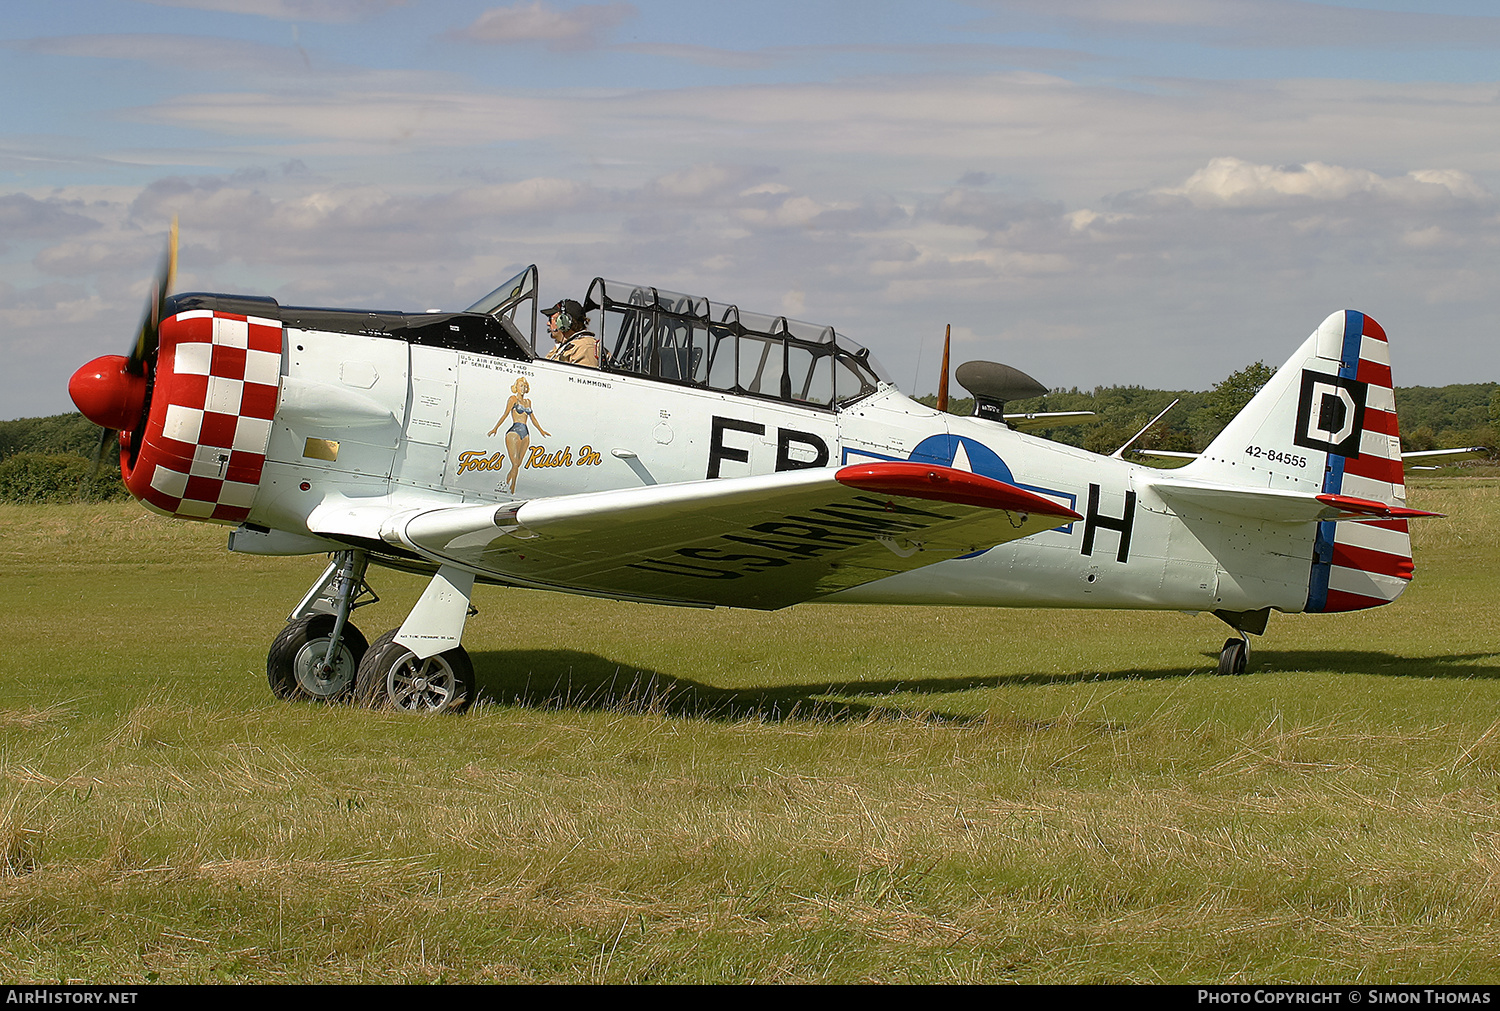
{"type": "Point", "coordinates": [704, 456]}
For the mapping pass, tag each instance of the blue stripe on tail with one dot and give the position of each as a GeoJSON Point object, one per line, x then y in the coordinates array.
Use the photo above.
{"type": "Point", "coordinates": [1333, 475]}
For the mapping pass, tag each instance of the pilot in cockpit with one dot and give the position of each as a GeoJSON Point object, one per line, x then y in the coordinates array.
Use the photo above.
{"type": "Point", "coordinates": [576, 344]}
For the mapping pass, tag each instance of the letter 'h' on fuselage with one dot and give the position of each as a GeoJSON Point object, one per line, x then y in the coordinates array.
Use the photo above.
{"type": "Point", "coordinates": [1122, 525]}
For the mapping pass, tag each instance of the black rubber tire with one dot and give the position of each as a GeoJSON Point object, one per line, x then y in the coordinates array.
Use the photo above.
{"type": "Point", "coordinates": [1232, 657]}
{"type": "Point", "coordinates": [296, 649]}
{"type": "Point", "coordinates": [391, 677]}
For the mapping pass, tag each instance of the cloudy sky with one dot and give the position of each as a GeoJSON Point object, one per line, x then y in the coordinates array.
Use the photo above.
{"type": "Point", "coordinates": [1152, 192]}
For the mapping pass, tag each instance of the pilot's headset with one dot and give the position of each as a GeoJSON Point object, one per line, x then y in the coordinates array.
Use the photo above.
{"type": "Point", "coordinates": [569, 314]}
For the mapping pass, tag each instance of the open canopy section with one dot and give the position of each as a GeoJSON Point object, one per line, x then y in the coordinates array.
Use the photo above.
{"type": "Point", "coordinates": [688, 339]}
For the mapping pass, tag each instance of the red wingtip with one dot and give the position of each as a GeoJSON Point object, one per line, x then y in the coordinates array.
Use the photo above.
{"type": "Point", "coordinates": [944, 484]}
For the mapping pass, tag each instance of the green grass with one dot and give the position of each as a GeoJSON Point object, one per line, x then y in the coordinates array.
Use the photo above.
{"type": "Point", "coordinates": [825, 793]}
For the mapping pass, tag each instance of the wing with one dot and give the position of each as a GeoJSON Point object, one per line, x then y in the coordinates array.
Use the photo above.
{"type": "Point", "coordinates": [762, 542]}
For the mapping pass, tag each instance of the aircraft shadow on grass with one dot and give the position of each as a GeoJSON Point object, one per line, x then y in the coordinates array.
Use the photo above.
{"type": "Point", "coordinates": [570, 679]}
{"type": "Point", "coordinates": [1357, 661]}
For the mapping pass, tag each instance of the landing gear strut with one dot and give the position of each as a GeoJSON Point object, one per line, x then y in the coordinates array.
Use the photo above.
{"type": "Point", "coordinates": [318, 654]}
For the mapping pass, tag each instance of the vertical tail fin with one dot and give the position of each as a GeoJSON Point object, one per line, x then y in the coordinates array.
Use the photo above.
{"type": "Point", "coordinates": [1326, 424]}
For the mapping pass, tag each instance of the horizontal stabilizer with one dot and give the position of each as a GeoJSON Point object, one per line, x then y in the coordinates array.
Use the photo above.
{"type": "Point", "coordinates": [1048, 419]}
{"type": "Point", "coordinates": [1276, 506]}
{"type": "Point", "coordinates": [1429, 458]}
{"type": "Point", "coordinates": [1421, 459]}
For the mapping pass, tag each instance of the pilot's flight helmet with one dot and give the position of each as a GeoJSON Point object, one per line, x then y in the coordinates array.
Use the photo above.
{"type": "Point", "coordinates": [570, 314]}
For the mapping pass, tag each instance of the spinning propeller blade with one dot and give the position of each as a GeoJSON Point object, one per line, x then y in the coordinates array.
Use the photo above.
{"type": "Point", "coordinates": [112, 391]}
{"type": "Point", "coordinates": [105, 435]}
{"type": "Point", "coordinates": [148, 336]}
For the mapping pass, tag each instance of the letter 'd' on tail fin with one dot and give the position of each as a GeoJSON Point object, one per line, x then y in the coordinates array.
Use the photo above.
{"type": "Point", "coordinates": [1364, 564]}
{"type": "Point", "coordinates": [1326, 423]}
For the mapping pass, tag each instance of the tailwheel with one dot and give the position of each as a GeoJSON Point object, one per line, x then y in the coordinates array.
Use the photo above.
{"type": "Point", "coordinates": [1234, 656]}
{"type": "Point", "coordinates": [298, 666]}
{"type": "Point", "coordinates": [393, 677]}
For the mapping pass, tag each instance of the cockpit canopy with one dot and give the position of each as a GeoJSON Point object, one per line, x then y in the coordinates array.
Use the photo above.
{"type": "Point", "coordinates": [679, 338]}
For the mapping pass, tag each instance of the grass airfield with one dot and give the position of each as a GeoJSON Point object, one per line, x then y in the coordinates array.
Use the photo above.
{"type": "Point", "coordinates": [832, 794]}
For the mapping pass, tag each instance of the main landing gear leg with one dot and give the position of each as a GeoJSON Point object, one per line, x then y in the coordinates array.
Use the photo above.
{"type": "Point", "coordinates": [318, 653]}
{"type": "Point", "coordinates": [420, 667]}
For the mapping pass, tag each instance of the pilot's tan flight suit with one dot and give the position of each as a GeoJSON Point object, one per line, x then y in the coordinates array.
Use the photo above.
{"type": "Point", "coordinates": [580, 349]}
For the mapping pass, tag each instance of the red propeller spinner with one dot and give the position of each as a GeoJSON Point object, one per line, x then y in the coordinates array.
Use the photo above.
{"type": "Point", "coordinates": [108, 393]}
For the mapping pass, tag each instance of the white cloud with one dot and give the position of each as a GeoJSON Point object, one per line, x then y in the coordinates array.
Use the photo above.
{"type": "Point", "coordinates": [85, 259]}
{"type": "Point", "coordinates": [707, 178]}
{"type": "Point", "coordinates": [1239, 183]}
{"type": "Point", "coordinates": [943, 56]}
{"type": "Point", "coordinates": [767, 211]}
{"type": "Point", "coordinates": [1232, 182]}
{"type": "Point", "coordinates": [1065, 140]}
{"type": "Point", "coordinates": [283, 67]}
{"type": "Point", "coordinates": [1083, 219]}
{"type": "Point", "coordinates": [1278, 24]}
{"type": "Point", "coordinates": [703, 56]}
{"type": "Point", "coordinates": [525, 24]}
{"type": "Point", "coordinates": [1460, 184]}
{"type": "Point", "coordinates": [291, 10]}
{"type": "Point", "coordinates": [23, 216]}
{"type": "Point", "coordinates": [369, 121]}
{"type": "Point", "coordinates": [1427, 238]}
{"type": "Point", "coordinates": [1070, 294]}
{"type": "Point", "coordinates": [1105, 215]}
{"type": "Point", "coordinates": [538, 196]}
{"type": "Point", "coordinates": [186, 52]}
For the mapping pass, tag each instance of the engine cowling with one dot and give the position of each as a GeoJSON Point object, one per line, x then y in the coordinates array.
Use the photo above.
{"type": "Point", "coordinates": [203, 446]}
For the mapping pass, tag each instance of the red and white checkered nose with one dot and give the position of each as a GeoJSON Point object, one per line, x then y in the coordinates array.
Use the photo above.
{"type": "Point", "coordinates": [205, 442]}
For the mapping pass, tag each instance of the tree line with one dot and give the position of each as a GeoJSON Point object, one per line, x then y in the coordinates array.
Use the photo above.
{"type": "Point", "coordinates": [52, 459]}
{"type": "Point", "coordinates": [1431, 417]}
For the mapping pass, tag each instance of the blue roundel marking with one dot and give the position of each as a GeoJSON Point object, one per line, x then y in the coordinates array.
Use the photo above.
{"type": "Point", "coordinates": [941, 450]}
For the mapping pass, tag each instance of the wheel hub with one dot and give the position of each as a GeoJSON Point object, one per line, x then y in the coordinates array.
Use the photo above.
{"type": "Point", "coordinates": [420, 684]}
{"type": "Point", "coordinates": [318, 677]}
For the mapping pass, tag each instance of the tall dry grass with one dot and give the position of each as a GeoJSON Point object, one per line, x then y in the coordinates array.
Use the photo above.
{"type": "Point", "coordinates": [836, 794]}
